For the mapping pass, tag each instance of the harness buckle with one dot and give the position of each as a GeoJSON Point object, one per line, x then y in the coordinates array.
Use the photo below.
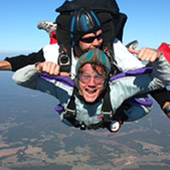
{"type": "Point", "coordinates": [107, 116]}
{"type": "Point", "coordinates": [69, 114]}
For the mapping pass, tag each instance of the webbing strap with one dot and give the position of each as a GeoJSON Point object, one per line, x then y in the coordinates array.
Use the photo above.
{"type": "Point", "coordinates": [71, 108]}
{"type": "Point", "coordinates": [70, 112]}
{"type": "Point", "coordinates": [109, 52]}
{"type": "Point", "coordinates": [106, 107]}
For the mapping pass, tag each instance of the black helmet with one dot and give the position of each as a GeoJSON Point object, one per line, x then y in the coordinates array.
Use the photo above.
{"type": "Point", "coordinates": [83, 21]}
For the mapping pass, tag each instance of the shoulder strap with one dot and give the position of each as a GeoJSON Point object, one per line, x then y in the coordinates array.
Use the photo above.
{"type": "Point", "coordinates": [106, 107]}
{"type": "Point", "coordinates": [139, 71]}
{"type": "Point", "coordinates": [70, 112]}
{"type": "Point", "coordinates": [64, 80]}
{"type": "Point", "coordinates": [108, 50]}
{"type": "Point", "coordinates": [107, 116]}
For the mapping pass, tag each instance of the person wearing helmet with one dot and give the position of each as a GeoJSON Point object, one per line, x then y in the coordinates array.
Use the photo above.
{"type": "Point", "coordinates": [86, 34]}
{"type": "Point", "coordinates": [51, 52]}
{"type": "Point", "coordinates": [92, 79]}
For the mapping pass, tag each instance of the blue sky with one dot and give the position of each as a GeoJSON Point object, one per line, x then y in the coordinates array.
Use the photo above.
{"type": "Point", "coordinates": [148, 22]}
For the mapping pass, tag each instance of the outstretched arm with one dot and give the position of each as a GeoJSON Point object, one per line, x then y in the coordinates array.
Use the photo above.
{"type": "Point", "coordinates": [29, 74]}
{"type": "Point", "coordinates": [17, 62]}
{"type": "Point", "coordinates": [132, 85]}
{"type": "Point", "coordinates": [29, 77]}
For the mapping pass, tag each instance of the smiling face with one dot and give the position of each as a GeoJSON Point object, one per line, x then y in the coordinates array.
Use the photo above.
{"type": "Point", "coordinates": [91, 82]}
{"type": "Point", "coordinates": [91, 41]}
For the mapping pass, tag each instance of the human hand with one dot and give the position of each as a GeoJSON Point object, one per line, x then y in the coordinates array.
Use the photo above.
{"type": "Point", "coordinates": [147, 54]}
{"type": "Point", "coordinates": [64, 74]}
{"type": "Point", "coordinates": [48, 67]}
{"type": "Point", "coordinates": [5, 65]}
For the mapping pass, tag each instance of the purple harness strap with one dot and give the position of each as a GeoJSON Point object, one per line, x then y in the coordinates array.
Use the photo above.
{"type": "Point", "coordinates": [59, 108]}
{"type": "Point", "coordinates": [139, 71]}
{"type": "Point", "coordinates": [65, 80]}
{"type": "Point", "coordinates": [145, 102]}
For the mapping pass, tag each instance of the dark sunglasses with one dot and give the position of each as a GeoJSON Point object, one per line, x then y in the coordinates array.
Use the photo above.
{"type": "Point", "coordinates": [91, 39]}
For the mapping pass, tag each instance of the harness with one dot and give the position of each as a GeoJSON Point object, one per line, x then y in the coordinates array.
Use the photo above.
{"type": "Point", "coordinates": [107, 116]}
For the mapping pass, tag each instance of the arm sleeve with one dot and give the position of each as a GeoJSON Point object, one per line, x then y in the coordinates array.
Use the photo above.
{"type": "Point", "coordinates": [125, 60]}
{"type": "Point", "coordinates": [20, 61]}
{"type": "Point", "coordinates": [28, 77]}
{"type": "Point", "coordinates": [137, 111]}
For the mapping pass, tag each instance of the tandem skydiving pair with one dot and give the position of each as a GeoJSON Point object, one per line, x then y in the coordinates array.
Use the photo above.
{"type": "Point", "coordinates": [85, 40]}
